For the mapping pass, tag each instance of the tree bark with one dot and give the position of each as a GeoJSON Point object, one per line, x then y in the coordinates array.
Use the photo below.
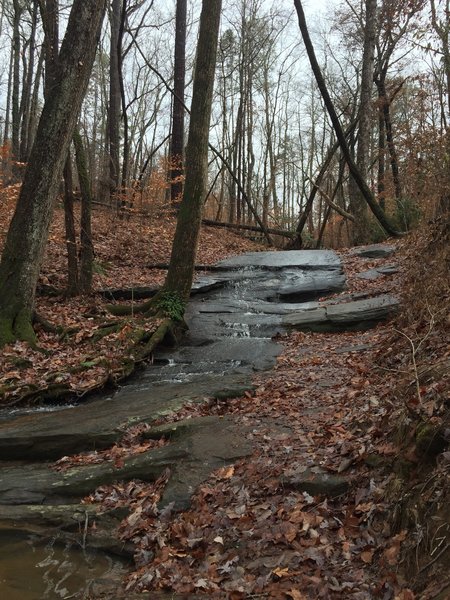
{"type": "Point", "coordinates": [17, 13]}
{"type": "Point", "coordinates": [27, 91]}
{"type": "Point", "coordinates": [28, 232]}
{"type": "Point", "coordinates": [181, 270]}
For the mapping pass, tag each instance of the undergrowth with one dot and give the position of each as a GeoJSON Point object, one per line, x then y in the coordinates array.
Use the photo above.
{"type": "Point", "coordinates": [418, 351]}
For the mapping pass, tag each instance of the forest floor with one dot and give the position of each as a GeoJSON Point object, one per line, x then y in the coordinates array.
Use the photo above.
{"type": "Point", "coordinates": [76, 364]}
{"type": "Point", "coordinates": [350, 414]}
{"type": "Point", "coordinates": [363, 412]}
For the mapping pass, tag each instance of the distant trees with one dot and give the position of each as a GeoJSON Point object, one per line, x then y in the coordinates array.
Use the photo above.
{"type": "Point", "coordinates": [352, 166]}
{"type": "Point", "coordinates": [282, 162]}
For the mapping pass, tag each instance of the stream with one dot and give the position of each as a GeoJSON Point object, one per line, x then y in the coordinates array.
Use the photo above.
{"type": "Point", "coordinates": [233, 315]}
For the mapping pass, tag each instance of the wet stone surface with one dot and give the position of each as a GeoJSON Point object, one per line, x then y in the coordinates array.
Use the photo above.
{"type": "Point", "coordinates": [232, 318]}
{"type": "Point", "coordinates": [233, 315]}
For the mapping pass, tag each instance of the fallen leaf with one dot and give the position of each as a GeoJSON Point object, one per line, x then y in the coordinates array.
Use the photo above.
{"type": "Point", "coordinates": [280, 572]}
{"type": "Point", "coordinates": [367, 556]}
{"type": "Point", "coordinates": [225, 472]}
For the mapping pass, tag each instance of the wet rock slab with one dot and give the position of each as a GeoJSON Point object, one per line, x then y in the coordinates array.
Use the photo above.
{"type": "Point", "coordinates": [374, 251]}
{"type": "Point", "coordinates": [305, 285]}
{"type": "Point", "coordinates": [196, 447]}
{"type": "Point", "coordinates": [350, 315]}
{"type": "Point", "coordinates": [101, 422]}
{"type": "Point", "coordinates": [303, 259]}
{"type": "Point", "coordinates": [71, 522]}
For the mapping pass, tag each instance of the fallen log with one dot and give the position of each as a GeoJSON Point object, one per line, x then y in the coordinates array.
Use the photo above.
{"type": "Point", "coordinates": [271, 231]}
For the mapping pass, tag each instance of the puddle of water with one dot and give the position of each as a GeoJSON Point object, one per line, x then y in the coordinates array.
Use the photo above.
{"type": "Point", "coordinates": [34, 570]}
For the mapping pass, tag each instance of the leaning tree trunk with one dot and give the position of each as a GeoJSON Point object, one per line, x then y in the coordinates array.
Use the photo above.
{"type": "Point", "coordinates": [28, 232]}
{"type": "Point", "coordinates": [184, 249]}
{"type": "Point", "coordinates": [354, 171]}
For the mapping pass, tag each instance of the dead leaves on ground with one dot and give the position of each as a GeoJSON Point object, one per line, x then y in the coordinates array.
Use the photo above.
{"type": "Point", "coordinates": [246, 534]}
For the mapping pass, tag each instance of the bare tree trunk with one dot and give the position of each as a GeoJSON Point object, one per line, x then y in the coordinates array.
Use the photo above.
{"type": "Point", "coordinates": [114, 103]}
{"type": "Point", "coordinates": [8, 95]}
{"type": "Point", "coordinates": [28, 232]}
{"type": "Point", "coordinates": [184, 249]}
{"type": "Point", "coordinates": [18, 9]}
{"type": "Point", "coordinates": [179, 76]}
{"type": "Point", "coordinates": [123, 100]}
{"type": "Point", "coordinates": [315, 187]}
{"type": "Point", "coordinates": [32, 123]}
{"type": "Point", "coordinates": [87, 246]}
{"type": "Point", "coordinates": [27, 86]}
{"type": "Point", "coordinates": [358, 205]}
{"type": "Point", "coordinates": [50, 22]}
{"type": "Point", "coordinates": [381, 152]}
{"type": "Point", "coordinates": [71, 239]}
{"type": "Point", "coordinates": [443, 31]}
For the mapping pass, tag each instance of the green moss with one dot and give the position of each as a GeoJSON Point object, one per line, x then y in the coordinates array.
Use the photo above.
{"type": "Point", "coordinates": [20, 363]}
{"type": "Point", "coordinates": [429, 440]}
{"type": "Point", "coordinates": [375, 460]}
{"type": "Point", "coordinates": [6, 332]}
{"type": "Point", "coordinates": [171, 304]}
{"type": "Point", "coordinates": [23, 327]}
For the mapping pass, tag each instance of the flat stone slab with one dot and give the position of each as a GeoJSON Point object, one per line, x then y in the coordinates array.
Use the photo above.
{"type": "Point", "coordinates": [373, 274]}
{"type": "Point", "coordinates": [350, 315]}
{"type": "Point", "coordinates": [374, 251]}
{"type": "Point", "coordinates": [306, 318]}
{"type": "Point", "coordinates": [100, 423]}
{"type": "Point", "coordinates": [372, 309]}
{"type": "Point", "coordinates": [306, 259]}
{"type": "Point", "coordinates": [316, 482]}
{"type": "Point", "coordinates": [303, 284]}
{"type": "Point", "coordinates": [196, 447]}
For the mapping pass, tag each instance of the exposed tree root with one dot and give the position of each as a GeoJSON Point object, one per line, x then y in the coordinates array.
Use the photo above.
{"type": "Point", "coordinates": [18, 327]}
{"type": "Point", "coordinates": [107, 329]}
{"type": "Point", "coordinates": [166, 332]}
{"type": "Point", "coordinates": [122, 310]}
{"type": "Point", "coordinates": [46, 325]}
{"type": "Point", "coordinates": [142, 343]}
